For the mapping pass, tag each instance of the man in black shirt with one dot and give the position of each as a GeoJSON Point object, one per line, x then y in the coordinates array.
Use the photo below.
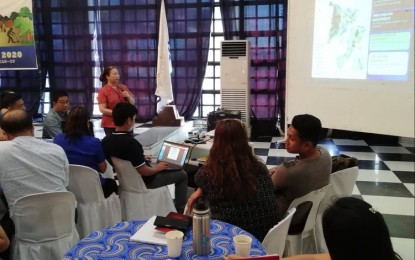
{"type": "Point", "coordinates": [123, 145]}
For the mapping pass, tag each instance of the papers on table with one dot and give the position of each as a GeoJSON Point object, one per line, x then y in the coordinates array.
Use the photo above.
{"type": "Point", "coordinates": [211, 133]}
{"type": "Point", "coordinates": [265, 257]}
{"type": "Point", "coordinates": [149, 234]}
{"type": "Point", "coordinates": [140, 130]}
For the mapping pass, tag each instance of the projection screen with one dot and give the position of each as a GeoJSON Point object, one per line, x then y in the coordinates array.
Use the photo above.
{"type": "Point", "coordinates": [351, 63]}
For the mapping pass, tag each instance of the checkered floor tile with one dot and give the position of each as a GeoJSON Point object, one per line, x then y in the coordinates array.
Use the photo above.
{"type": "Point", "coordinates": [386, 180]}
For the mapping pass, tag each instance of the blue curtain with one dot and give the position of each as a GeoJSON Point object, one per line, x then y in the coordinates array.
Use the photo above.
{"type": "Point", "coordinates": [263, 23]}
{"type": "Point", "coordinates": [27, 83]}
{"type": "Point", "coordinates": [67, 57]}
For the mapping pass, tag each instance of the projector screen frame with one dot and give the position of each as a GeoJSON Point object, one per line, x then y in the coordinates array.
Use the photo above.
{"type": "Point", "coordinates": [371, 106]}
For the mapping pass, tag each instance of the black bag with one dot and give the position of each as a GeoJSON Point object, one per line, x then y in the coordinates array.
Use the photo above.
{"type": "Point", "coordinates": [342, 162]}
{"type": "Point", "coordinates": [263, 127]}
{"type": "Point", "coordinates": [220, 114]}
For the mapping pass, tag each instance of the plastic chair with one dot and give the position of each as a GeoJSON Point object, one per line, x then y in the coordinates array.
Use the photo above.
{"type": "Point", "coordinates": [109, 172]}
{"type": "Point", "coordinates": [94, 210]}
{"type": "Point", "coordinates": [294, 243]}
{"type": "Point", "coordinates": [342, 184]}
{"type": "Point", "coordinates": [45, 225]}
{"type": "Point", "coordinates": [138, 202]}
{"type": "Point", "coordinates": [274, 241]}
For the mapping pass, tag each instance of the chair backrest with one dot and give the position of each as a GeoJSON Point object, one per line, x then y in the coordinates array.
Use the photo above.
{"type": "Point", "coordinates": [314, 197]}
{"type": "Point", "coordinates": [130, 180]}
{"type": "Point", "coordinates": [44, 217]}
{"type": "Point", "coordinates": [85, 184]}
{"type": "Point", "coordinates": [109, 172]}
{"type": "Point", "coordinates": [342, 182]}
{"type": "Point", "coordinates": [274, 241]}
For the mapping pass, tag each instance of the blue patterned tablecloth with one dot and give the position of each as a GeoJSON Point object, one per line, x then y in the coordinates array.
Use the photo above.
{"type": "Point", "coordinates": [114, 243]}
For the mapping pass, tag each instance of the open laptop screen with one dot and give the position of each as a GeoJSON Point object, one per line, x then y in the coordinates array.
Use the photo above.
{"type": "Point", "coordinates": [173, 154]}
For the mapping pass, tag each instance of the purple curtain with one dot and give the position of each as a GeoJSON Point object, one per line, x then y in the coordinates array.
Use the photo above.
{"type": "Point", "coordinates": [63, 51]}
{"type": "Point", "coordinates": [263, 23]}
{"type": "Point", "coordinates": [128, 39]}
{"type": "Point", "coordinates": [189, 45]}
{"type": "Point", "coordinates": [75, 38]}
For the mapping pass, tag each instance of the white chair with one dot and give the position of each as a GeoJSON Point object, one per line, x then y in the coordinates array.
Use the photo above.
{"type": "Point", "coordinates": [294, 244]}
{"type": "Point", "coordinates": [274, 241]}
{"type": "Point", "coordinates": [94, 210]}
{"type": "Point", "coordinates": [109, 172]}
{"type": "Point", "coordinates": [342, 184]}
{"type": "Point", "coordinates": [138, 202]}
{"type": "Point", "coordinates": [45, 225]}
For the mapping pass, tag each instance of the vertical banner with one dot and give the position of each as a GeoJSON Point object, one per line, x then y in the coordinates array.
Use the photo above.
{"type": "Point", "coordinates": [164, 67]}
{"type": "Point", "coordinates": [17, 41]}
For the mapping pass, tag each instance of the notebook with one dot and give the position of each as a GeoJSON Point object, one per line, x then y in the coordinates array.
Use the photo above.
{"type": "Point", "coordinates": [177, 216]}
{"type": "Point", "coordinates": [148, 234]}
{"type": "Point", "coordinates": [173, 154]}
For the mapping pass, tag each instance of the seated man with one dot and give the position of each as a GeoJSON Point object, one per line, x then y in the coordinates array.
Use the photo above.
{"type": "Point", "coordinates": [57, 115]}
{"type": "Point", "coordinates": [310, 170]}
{"type": "Point", "coordinates": [9, 100]}
{"type": "Point", "coordinates": [123, 145]}
{"type": "Point", "coordinates": [29, 165]}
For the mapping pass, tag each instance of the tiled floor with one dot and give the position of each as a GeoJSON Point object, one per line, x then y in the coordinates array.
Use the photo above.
{"type": "Point", "coordinates": [386, 180]}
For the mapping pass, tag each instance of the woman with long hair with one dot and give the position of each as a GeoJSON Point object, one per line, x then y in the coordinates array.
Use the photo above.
{"type": "Point", "coordinates": [82, 148]}
{"type": "Point", "coordinates": [236, 183]}
{"type": "Point", "coordinates": [112, 93]}
{"type": "Point", "coordinates": [353, 230]}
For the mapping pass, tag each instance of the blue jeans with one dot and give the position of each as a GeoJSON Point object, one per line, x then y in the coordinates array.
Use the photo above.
{"type": "Point", "coordinates": [179, 179]}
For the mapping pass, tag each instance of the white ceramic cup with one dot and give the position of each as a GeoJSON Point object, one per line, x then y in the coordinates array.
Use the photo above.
{"type": "Point", "coordinates": [242, 245]}
{"type": "Point", "coordinates": [174, 243]}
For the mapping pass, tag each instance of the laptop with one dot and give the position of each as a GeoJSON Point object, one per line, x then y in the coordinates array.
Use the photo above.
{"type": "Point", "coordinates": [173, 154]}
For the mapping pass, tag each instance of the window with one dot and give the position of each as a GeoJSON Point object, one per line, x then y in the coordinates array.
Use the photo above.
{"type": "Point", "coordinates": [210, 99]}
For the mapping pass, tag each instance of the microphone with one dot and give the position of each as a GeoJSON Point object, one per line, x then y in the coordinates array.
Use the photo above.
{"type": "Point", "coordinates": [123, 89]}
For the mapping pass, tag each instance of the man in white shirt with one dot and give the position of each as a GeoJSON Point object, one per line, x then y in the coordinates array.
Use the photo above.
{"type": "Point", "coordinates": [29, 165]}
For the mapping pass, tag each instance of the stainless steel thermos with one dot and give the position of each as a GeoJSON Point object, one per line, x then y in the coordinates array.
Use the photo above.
{"type": "Point", "coordinates": [201, 227]}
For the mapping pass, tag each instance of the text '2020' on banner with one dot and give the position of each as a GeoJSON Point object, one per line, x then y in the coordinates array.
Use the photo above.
{"type": "Point", "coordinates": [17, 40]}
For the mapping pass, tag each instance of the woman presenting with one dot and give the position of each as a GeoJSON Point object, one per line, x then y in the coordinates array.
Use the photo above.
{"type": "Point", "coordinates": [111, 94]}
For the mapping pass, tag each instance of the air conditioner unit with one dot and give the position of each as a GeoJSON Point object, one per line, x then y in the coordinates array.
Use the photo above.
{"type": "Point", "coordinates": [235, 77]}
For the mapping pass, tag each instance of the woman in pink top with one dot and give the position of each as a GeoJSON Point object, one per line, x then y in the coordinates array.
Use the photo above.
{"type": "Point", "coordinates": [111, 94]}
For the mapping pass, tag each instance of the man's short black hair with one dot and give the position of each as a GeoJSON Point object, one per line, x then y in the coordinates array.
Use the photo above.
{"type": "Point", "coordinates": [308, 127]}
{"type": "Point", "coordinates": [122, 111]}
{"type": "Point", "coordinates": [8, 98]}
{"type": "Point", "coordinates": [16, 121]}
{"type": "Point", "coordinates": [59, 93]}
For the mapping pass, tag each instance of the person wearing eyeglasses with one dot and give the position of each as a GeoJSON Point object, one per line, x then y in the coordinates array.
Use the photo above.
{"type": "Point", "coordinates": [52, 125]}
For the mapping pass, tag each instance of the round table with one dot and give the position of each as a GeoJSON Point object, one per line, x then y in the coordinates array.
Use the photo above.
{"type": "Point", "coordinates": [114, 243]}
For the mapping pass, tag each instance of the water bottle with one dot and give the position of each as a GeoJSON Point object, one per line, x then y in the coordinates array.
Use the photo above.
{"type": "Point", "coordinates": [201, 227]}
